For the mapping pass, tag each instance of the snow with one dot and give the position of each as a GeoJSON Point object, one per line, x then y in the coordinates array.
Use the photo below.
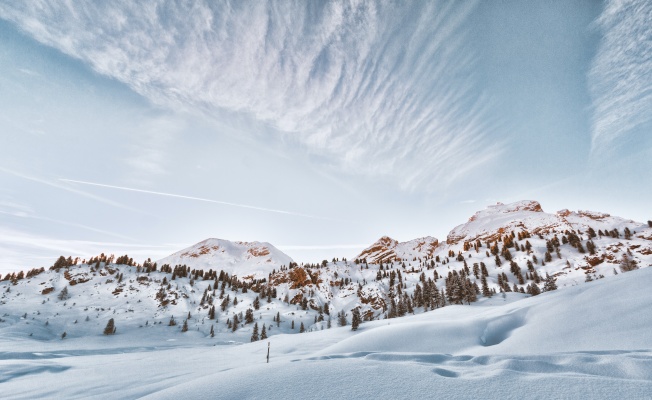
{"type": "Point", "coordinates": [387, 248]}
{"type": "Point", "coordinates": [589, 341]}
{"type": "Point", "coordinates": [236, 258]}
{"type": "Point", "coordinates": [528, 215]}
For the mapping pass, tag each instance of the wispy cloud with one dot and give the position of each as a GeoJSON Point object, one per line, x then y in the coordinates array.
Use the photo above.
{"type": "Point", "coordinates": [150, 148]}
{"type": "Point", "coordinates": [620, 79]}
{"type": "Point", "coordinates": [179, 196]}
{"type": "Point", "coordinates": [22, 214]}
{"type": "Point", "coordinates": [57, 185]}
{"type": "Point", "coordinates": [377, 88]}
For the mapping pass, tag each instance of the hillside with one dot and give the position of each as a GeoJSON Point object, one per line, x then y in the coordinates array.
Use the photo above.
{"type": "Point", "coordinates": [514, 296]}
{"type": "Point", "coordinates": [582, 342]}
{"type": "Point", "coordinates": [506, 248]}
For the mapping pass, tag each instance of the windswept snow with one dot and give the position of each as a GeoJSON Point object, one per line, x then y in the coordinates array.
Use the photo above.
{"type": "Point", "coordinates": [589, 341]}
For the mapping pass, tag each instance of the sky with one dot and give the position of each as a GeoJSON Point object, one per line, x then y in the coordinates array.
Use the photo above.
{"type": "Point", "coordinates": [142, 128]}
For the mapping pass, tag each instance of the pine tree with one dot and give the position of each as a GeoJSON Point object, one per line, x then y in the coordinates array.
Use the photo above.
{"type": "Point", "coordinates": [249, 316]}
{"type": "Point", "coordinates": [302, 328]}
{"type": "Point", "coordinates": [235, 323]}
{"type": "Point", "coordinates": [550, 284]}
{"type": "Point", "coordinates": [355, 319]}
{"type": "Point", "coordinates": [485, 287]}
{"type": "Point", "coordinates": [212, 331]}
{"type": "Point", "coordinates": [263, 333]}
{"type": "Point", "coordinates": [63, 295]}
{"type": "Point", "coordinates": [341, 319]}
{"type": "Point", "coordinates": [627, 264]}
{"type": "Point", "coordinates": [110, 327]}
{"type": "Point", "coordinates": [254, 334]}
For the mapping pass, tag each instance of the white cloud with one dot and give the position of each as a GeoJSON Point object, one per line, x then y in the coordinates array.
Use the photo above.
{"type": "Point", "coordinates": [377, 88]}
{"type": "Point", "coordinates": [620, 80]}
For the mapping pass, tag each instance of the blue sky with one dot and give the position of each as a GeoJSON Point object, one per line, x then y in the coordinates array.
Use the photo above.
{"type": "Point", "coordinates": [315, 126]}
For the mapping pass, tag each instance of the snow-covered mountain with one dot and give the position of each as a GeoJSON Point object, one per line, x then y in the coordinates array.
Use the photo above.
{"type": "Point", "coordinates": [386, 248]}
{"type": "Point", "coordinates": [253, 259]}
{"type": "Point", "coordinates": [513, 248]}
{"type": "Point", "coordinates": [527, 215]}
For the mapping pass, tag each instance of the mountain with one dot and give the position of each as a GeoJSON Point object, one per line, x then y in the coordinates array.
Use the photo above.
{"type": "Point", "coordinates": [517, 249]}
{"type": "Point", "coordinates": [253, 259]}
{"type": "Point", "coordinates": [527, 215]}
{"type": "Point", "coordinates": [386, 248]}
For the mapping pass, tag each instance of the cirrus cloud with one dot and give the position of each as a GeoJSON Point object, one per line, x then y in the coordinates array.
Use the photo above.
{"type": "Point", "coordinates": [377, 88]}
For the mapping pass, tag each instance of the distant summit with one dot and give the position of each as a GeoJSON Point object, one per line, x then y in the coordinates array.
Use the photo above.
{"type": "Point", "coordinates": [490, 223]}
{"type": "Point", "coordinates": [237, 258]}
{"type": "Point", "coordinates": [386, 248]}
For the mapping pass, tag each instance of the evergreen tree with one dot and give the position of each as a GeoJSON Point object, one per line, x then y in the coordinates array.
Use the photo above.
{"type": "Point", "coordinates": [212, 331]}
{"type": "Point", "coordinates": [341, 319]}
{"type": "Point", "coordinates": [550, 284]}
{"type": "Point", "coordinates": [355, 319]}
{"type": "Point", "coordinates": [110, 327]}
{"type": "Point", "coordinates": [225, 303]}
{"type": "Point", "coordinates": [485, 287]}
{"type": "Point", "coordinates": [302, 328]}
{"type": "Point", "coordinates": [249, 316]}
{"type": "Point", "coordinates": [184, 328]}
{"type": "Point", "coordinates": [263, 333]}
{"type": "Point", "coordinates": [63, 295]}
{"type": "Point", "coordinates": [254, 334]}
{"type": "Point", "coordinates": [627, 264]}
{"type": "Point", "coordinates": [235, 323]}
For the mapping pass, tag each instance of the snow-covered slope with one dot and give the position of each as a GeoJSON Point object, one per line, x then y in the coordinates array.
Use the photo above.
{"type": "Point", "coordinates": [254, 259]}
{"type": "Point", "coordinates": [590, 341]}
{"type": "Point", "coordinates": [387, 248]}
{"type": "Point", "coordinates": [414, 308]}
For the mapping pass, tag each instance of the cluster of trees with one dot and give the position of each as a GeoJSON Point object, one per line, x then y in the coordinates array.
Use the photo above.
{"type": "Point", "coordinates": [263, 333]}
{"type": "Point", "coordinates": [15, 277]}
